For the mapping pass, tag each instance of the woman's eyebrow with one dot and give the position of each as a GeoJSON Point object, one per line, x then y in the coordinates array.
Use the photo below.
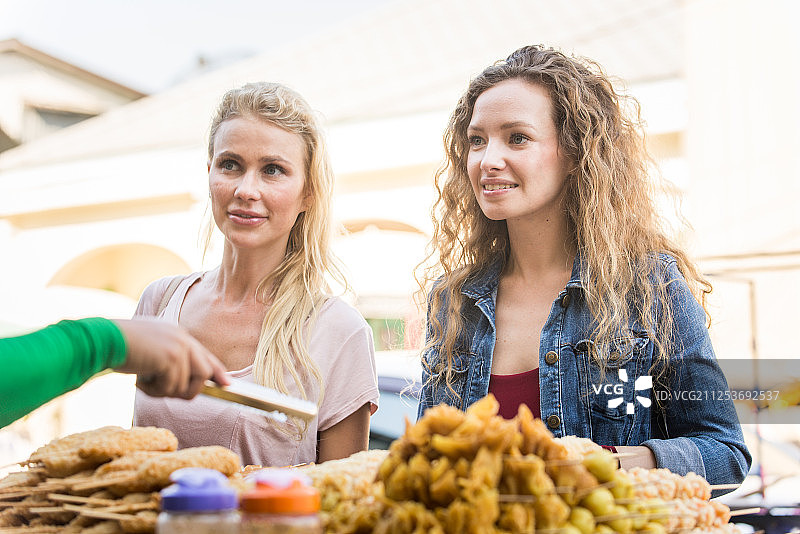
{"type": "Point", "coordinates": [517, 124]}
{"type": "Point", "coordinates": [275, 159]}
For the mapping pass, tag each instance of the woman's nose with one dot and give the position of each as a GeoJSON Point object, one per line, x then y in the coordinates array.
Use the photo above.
{"type": "Point", "coordinates": [248, 188]}
{"type": "Point", "coordinates": [493, 157]}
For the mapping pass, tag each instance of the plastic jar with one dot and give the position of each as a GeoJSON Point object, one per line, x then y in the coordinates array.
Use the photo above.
{"type": "Point", "coordinates": [283, 501]}
{"type": "Point", "coordinates": [200, 502]}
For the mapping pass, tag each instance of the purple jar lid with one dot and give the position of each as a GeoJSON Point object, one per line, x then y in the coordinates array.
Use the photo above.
{"type": "Point", "coordinates": [197, 489]}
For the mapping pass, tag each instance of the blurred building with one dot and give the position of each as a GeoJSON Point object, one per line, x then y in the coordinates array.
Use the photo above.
{"type": "Point", "coordinates": [41, 94]}
{"type": "Point", "coordinates": [118, 200]}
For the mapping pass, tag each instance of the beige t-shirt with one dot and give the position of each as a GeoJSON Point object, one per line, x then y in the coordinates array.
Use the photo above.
{"type": "Point", "coordinates": [340, 344]}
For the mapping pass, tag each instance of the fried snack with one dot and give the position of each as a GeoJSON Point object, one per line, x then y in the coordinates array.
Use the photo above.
{"type": "Point", "coordinates": [458, 465]}
{"type": "Point", "coordinates": [86, 450]}
{"type": "Point", "coordinates": [153, 474]}
{"type": "Point", "coordinates": [350, 478]}
{"type": "Point", "coordinates": [666, 485]}
{"type": "Point", "coordinates": [577, 447]}
{"type": "Point", "coordinates": [696, 514]}
{"type": "Point", "coordinates": [239, 483]}
{"type": "Point", "coordinates": [103, 527]}
{"type": "Point", "coordinates": [516, 518]}
{"type": "Point", "coordinates": [248, 469]}
{"type": "Point", "coordinates": [355, 517]}
{"type": "Point", "coordinates": [51, 515]}
{"type": "Point", "coordinates": [141, 523]}
{"type": "Point", "coordinates": [408, 517]}
{"type": "Point", "coordinates": [133, 502]}
{"type": "Point", "coordinates": [112, 445]}
{"type": "Point", "coordinates": [31, 529]}
{"type": "Point", "coordinates": [19, 479]}
{"type": "Point", "coordinates": [525, 475]}
{"type": "Point", "coordinates": [80, 524]}
{"type": "Point", "coordinates": [573, 479]}
{"type": "Point", "coordinates": [129, 462]}
{"type": "Point", "coordinates": [159, 468]}
{"type": "Point", "coordinates": [11, 517]}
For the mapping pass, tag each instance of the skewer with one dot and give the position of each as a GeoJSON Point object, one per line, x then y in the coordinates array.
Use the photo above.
{"type": "Point", "coordinates": [636, 515]}
{"type": "Point", "coordinates": [103, 482]}
{"type": "Point", "coordinates": [505, 497]}
{"type": "Point", "coordinates": [724, 486]}
{"type": "Point", "coordinates": [745, 511]}
{"type": "Point", "coordinates": [25, 493]}
{"type": "Point", "coordinates": [510, 497]}
{"type": "Point", "coordinates": [90, 512]}
{"type": "Point", "coordinates": [129, 507]}
{"type": "Point", "coordinates": [41, 529]}
{"type": "Point", "coordinates": [47, 509]}
{"type": "Point", "coordinates": [81, 500]}
{"type": "Point", "coordinates": [20, 504]}
{"type": "Point", "coordinates": [14, 464]}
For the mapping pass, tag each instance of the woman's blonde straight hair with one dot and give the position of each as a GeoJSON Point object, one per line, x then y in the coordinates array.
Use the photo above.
{"type": "Point", "coordinates": [299, 286]}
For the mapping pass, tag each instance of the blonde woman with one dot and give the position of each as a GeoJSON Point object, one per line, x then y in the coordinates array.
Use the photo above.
{"type": "Point", "coordinates": [266, 310]}
{"type": "Point", "coordinates": [553, 284]}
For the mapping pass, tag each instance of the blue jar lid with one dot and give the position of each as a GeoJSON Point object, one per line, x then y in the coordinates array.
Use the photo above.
{"type": "Point", "coordinates": [197, 489]}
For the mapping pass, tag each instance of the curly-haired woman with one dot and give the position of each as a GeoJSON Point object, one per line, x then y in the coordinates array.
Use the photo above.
{"type": "Point", "coordinates": [553, 282]}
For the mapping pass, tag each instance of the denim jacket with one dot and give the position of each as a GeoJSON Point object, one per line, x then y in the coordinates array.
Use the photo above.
{"type": "Point", "coordinates": [622, 408]}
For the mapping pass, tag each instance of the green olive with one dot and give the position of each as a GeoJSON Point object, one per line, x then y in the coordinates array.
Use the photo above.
{"type": "Point", "coordinates": [621, 523]}
{"type": "Point", "coordinates": [583, 519]}
{"type": "Point", "coordinates": [599, 501]}
{"type": "Point", "coordinates": [653, 528]}
{"type": "Point", "coordinates": [601, 464]}
{"type": "Point", "coordinates": [623, 487]}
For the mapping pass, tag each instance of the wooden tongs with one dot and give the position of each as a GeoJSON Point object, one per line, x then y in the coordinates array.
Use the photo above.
{"type": "Point", "coordinates": [261, 398]}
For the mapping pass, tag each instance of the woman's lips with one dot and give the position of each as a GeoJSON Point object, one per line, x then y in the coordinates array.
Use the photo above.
{"type": "Point", "coordinates": [498, 187]}
{"type": "Point", "coordinates": [246, 218]}
{"type": "Point", "coordinates": [495, 189]}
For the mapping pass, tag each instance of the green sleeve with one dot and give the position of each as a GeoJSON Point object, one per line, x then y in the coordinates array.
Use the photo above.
{"type": "Point", "coordinates": [42, 365]}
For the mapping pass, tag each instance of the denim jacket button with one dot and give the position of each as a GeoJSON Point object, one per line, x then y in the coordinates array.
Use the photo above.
{"type": "Point", "coordinates": [565, 301]}
{"type": "Point", "coordinates": [551, 357]}
{"type": "Point", "coordinates": [553, 421]}
{"type": "Point", "coordinates": [614, 356]}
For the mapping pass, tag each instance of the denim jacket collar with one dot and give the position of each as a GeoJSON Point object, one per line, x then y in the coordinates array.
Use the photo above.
{"type": "Point", "coordinates": [485, 283]}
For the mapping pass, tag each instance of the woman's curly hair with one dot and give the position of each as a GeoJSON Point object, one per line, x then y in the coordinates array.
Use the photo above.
{"type": "Point", "coordinates": [609, 203]}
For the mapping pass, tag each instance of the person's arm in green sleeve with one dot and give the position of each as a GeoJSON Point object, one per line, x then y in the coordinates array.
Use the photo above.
{"type": "Point", "coordinates": [37, 367]}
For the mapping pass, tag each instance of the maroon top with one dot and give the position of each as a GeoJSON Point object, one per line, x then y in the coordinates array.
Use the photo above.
{"type": "Point", "coordinates": [513, 390]}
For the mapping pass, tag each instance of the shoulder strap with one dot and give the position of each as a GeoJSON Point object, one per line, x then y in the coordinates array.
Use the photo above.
{"type": "Point", "coordinates": [173, 285]}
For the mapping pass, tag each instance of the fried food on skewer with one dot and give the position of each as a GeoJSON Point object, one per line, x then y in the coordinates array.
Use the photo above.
{"type": "Point", "coordinates": [140, 523]}
{"type": "Point", "coordinates": [577, 447]}
{"type": "Point", "coordinates": [19, 479]}
{"type": "Point", "coordinates": [86, 450]}
{"type": "Point", "coordinates": [349, 478]}
{"type": "Point", "coordinates": [128, 462]}
{"type": "Point", "coordinates": [60, 456]}
{"type": "Point", "coordinates": [87, 525]}
{"type": "Point", "coordinates": [112, 445]}
{"type": "Point", "coordinates": [666, 485]}
{"type": "Point", "coordinates": [153, 474]}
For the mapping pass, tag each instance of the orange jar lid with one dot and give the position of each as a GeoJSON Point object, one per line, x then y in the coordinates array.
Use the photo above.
{"type": "Point", "coordinates": [281, 491]}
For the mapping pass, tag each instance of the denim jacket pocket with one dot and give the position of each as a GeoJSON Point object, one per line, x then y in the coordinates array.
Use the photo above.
{"type": "Point", "coordinates": [612, 395]}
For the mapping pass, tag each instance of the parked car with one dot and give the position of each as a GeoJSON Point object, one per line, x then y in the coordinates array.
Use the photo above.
{"type": "Point", "coordinates": [399, 374]}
